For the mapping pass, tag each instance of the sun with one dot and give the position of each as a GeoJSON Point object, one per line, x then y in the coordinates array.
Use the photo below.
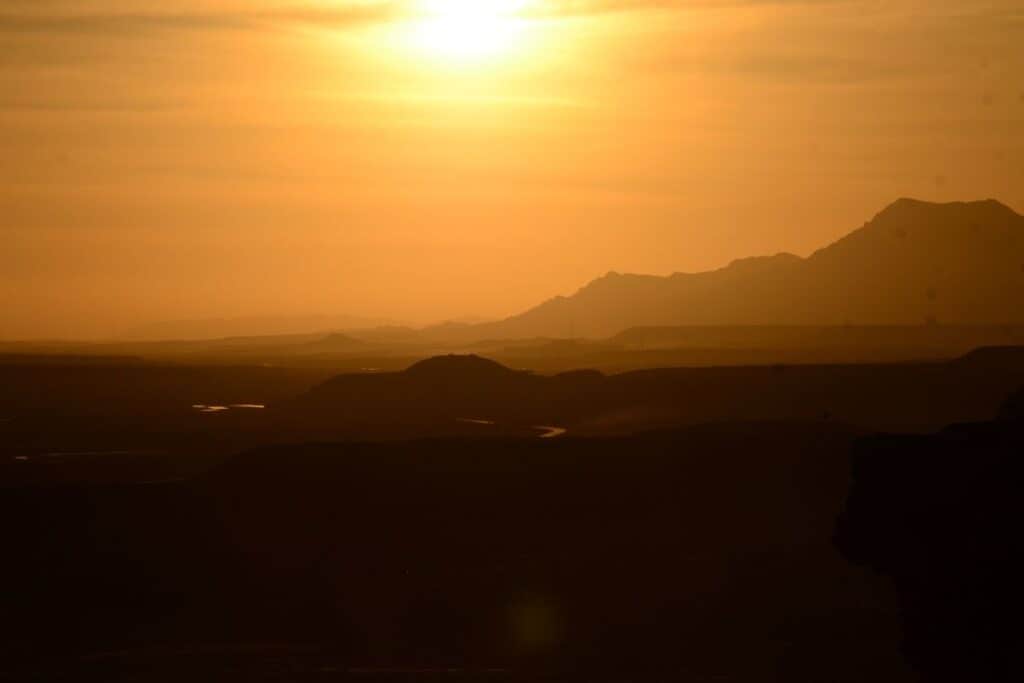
{"type": "Point", "coordinates": [468, 30]}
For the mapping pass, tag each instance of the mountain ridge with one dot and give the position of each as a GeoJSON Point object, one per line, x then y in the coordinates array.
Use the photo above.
{"type": "Point", "coordinates": [914, 262]}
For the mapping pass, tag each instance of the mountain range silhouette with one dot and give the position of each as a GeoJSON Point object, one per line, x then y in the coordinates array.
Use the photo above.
{"type": "Point", "coordinates": [914, 263]}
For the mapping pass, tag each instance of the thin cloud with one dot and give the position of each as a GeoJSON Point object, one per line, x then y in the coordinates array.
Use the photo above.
{"type": "Point", "coordinates": [556, 8]}
{"type": "Point", "coordinates": [42, 20]}
{"type": "Point", "coordinates": [349, 15]}
{"type": "Point", "coordinates": [94, 103]}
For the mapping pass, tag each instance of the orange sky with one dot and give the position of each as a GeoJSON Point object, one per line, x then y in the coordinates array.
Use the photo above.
{"type": "Point", "coordinates": [220, 158]}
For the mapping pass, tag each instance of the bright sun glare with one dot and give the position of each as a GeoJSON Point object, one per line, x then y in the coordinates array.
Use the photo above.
{"type": "Point", "coordinates": [468, 30]}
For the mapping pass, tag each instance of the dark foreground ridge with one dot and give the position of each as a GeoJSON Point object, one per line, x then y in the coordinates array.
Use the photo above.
{"type": "Point", "coordinates": [940, 515]}
{"type": "Point", "coordinates": [653, 556]}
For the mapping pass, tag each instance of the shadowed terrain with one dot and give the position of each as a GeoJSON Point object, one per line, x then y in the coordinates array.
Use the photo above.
{"type": "Point", "coordinates": [652, 555]}
{"type": "Point", "coordinates": [53, 407]}
{"type": "Point", "coordinates": [940, 516]}
{"type": "Point", "coordinates": [608, 550]}
{"type": "Point", "coordinates": [911, 396]}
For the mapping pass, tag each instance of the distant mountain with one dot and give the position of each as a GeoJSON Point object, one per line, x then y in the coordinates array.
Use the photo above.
{"type": "Point", "coordinates": [254, 326]}
{"type": "Point", "coordinates": [914, 263]}
{"type": "Point", "coordinates": [334, 343]}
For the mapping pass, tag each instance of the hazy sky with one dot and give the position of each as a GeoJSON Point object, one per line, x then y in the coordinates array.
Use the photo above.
{"type": "Point", "coordinates": [433, 159]}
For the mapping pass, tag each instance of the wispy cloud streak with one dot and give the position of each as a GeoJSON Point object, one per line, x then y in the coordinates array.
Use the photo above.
{"type": "Point", "coordinates": [40, 19]}
{"type": "Point", "coordinates": [342, 16]}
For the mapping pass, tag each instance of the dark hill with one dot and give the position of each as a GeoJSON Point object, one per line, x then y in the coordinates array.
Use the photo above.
{"type": "Point", "coordinates": [958, 263]}
{"type": "Point", "coordinates": [939, 515]}
{"type": "Point", "coordinates": [460, 367]}
{"type": "Point", "coordinates": [440, 391]}
{"type": "Point", "coordinates": [1013, 407]}
{"type": "Point", "coordinates": [432, 396]}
